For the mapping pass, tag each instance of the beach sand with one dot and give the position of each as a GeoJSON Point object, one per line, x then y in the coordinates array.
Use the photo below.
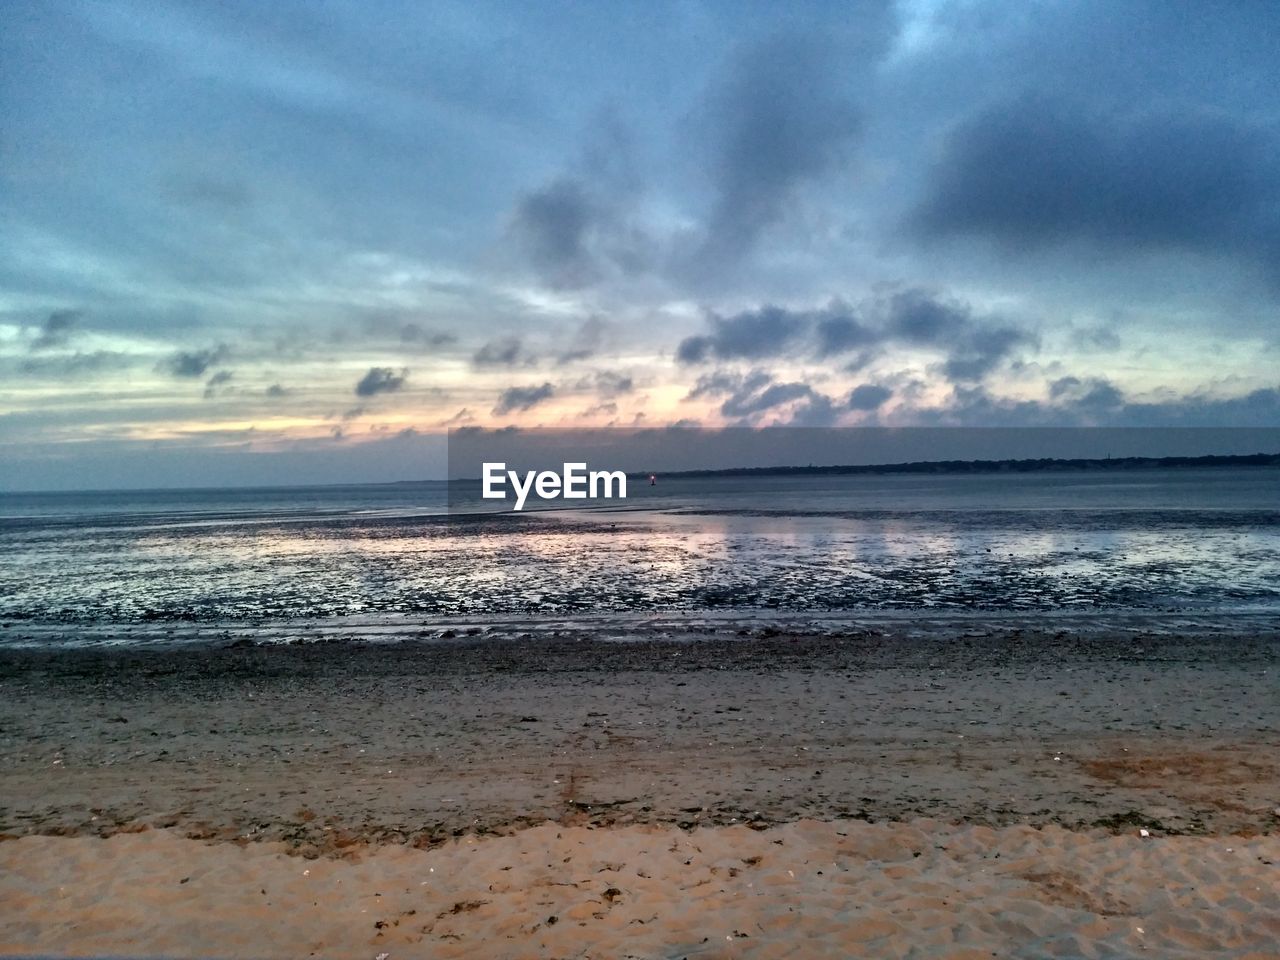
{"type": "Point", "coordinates": [779, 793]}
{"type": "Point", "coordinates": [840, 888]}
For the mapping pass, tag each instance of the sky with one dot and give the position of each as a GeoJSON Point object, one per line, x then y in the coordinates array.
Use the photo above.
{"type": "Point", "coordinates": [299, 241]}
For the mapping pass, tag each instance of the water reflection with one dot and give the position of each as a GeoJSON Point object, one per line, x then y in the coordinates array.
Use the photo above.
{"type": "Point", "coordinates": [799, 553]}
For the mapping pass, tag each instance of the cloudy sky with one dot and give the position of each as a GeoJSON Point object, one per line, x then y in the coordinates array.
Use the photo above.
{"type": "Point", "coordinates": [248, 242]}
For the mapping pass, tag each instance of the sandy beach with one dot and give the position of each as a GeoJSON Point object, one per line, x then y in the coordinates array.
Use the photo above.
{"type": "Point", "coordinates": [840, 889]}
{"type": "Point", "coordinates": [964, 790]}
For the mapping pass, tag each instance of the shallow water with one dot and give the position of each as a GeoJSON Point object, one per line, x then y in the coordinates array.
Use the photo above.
{"type": "Point", "coordinates": [1160, 540]}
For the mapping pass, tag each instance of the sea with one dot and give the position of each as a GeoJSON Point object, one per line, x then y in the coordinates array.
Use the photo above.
{"type": "Point", "coordinates": [1185, 539]}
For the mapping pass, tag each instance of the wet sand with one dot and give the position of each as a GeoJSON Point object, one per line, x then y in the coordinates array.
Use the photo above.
{"type": "Point", "coordinates": [250, 763]}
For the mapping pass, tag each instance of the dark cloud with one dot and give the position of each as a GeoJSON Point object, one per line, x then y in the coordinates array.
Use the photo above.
{"type": "Point", "coordinates": [693, 350]}
{"type": "Point", "coordinates": [1044, 171]}
{"type": "Point", "coordinates": [749, 395]}
{"type": "Point", "coordinates": [504, 352]}
{"type": "Point", "coordinates": [819, 411]}
{"type": "Point", "coordinates": [840, 331]}
{"type": "Point", "coordinates": [516, 399]}
{"type": "Point", "coordinates": [1092, 395]}
{"type": "Point", "coordinates": [744, 403]}
{"type": "Point", "coordinates": [773, 331]}
{"type": "Point", "coordinates": [974, 346]}
{"type": "Point", "coordinates": [57, 329]}
{"type": "Point", "coordinates": [195, 363]}
{"type": "Point", "coordinates": [580, 228]}
{"type": "Point", "coordinates": [380, 380]}
{"type": "Point", "coordinates": [781, 117]}
{"type": "Point", "coordinates": [609, 383]}
{"type": "Point", "coordinates": [981, 349]}
{"type": "Point", "coordinates": [750, 335]}
{"type": "Point", "coordinates": [275, 391]}
{"type": "Point", "coordinates": [868, 396]}
{"type": "Point", "coordinates": [553, 225]}
{"type": "Point", "coordinates": [719, 383]}
{"type": "Point", "coordinates": [219, 379]}
{"type": "Point", "coordinates": [919, 316]}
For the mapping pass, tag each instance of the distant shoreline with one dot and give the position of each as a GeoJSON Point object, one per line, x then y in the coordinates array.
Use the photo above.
{"type": "Point", "coordinates": [1040, 465]}
{"type": "Point", "coordinates": [1044, 464]}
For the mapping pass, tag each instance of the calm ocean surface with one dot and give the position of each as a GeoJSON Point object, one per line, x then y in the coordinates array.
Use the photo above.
{"type": "Point", "coordinates": [1177, 539]}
